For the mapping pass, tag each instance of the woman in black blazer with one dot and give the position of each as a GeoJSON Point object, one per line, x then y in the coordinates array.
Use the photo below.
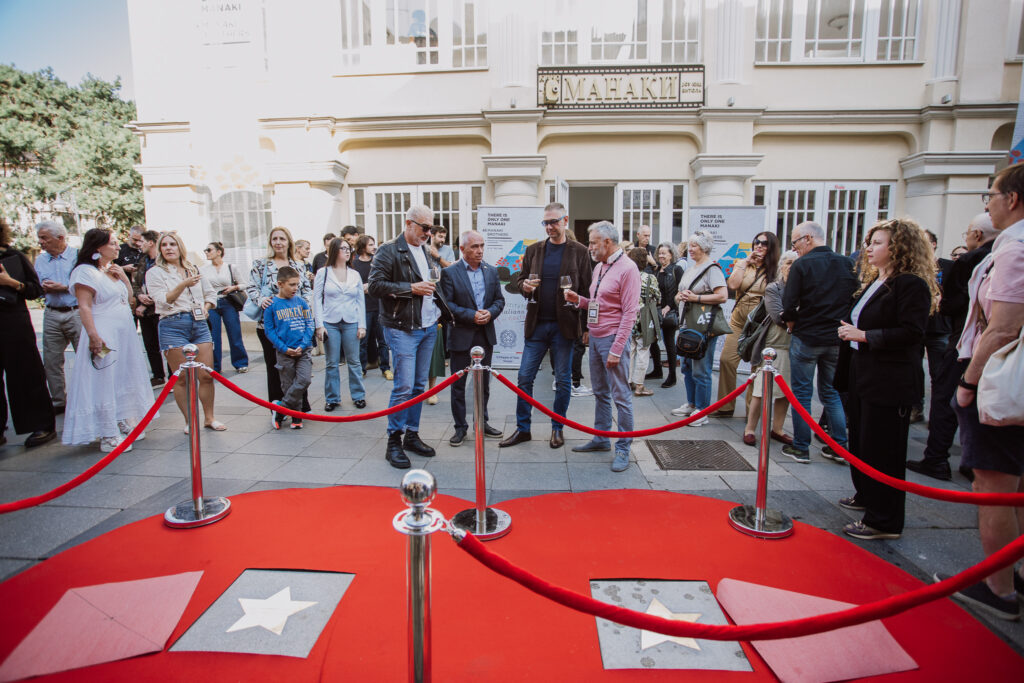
{"type": "Point", "coordinates": [885, 334]}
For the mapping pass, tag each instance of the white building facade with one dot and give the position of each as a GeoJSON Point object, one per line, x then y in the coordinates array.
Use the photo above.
{"type": "Point", "coordinates": [314, 114]}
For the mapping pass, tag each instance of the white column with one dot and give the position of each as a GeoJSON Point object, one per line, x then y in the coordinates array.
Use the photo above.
{"type": "Point", "coordinates": [721, 178]}
{"type": "Point", "coordinates": [515, 177]}
{"type": "Point", "coordinates": [308, 197]}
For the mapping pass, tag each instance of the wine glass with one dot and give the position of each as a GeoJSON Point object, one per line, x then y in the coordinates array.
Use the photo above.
{"type": "Point", "coordinates": [566, 284]}
{"type": "Point", "coordinates": [533, 294]}
{"type": "Point", "coordinates": [434, 275]}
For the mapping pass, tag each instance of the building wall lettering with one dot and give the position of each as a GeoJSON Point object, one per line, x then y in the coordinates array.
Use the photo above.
{"type": "Point", "coordinates": [661, 87]}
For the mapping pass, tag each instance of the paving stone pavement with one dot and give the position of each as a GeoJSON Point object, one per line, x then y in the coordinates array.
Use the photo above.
{"type": "Point", "coordinates": [251, 456]}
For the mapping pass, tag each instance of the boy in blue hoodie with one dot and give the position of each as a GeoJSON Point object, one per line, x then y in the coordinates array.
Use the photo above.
{"type": "Point", "coordinates": [288, 324]}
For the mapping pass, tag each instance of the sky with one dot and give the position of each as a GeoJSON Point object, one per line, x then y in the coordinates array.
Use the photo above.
{"type": "Point", "coordinates": [74, 37]}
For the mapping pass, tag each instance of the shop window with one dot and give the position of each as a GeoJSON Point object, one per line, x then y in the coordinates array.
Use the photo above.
{"type": "Point", "coordinates": [383, 209]}
{"type": "Point", "coordinates": [809, 31]}
{"type": "Point", "coordinates": [630, 31]}
{"type": "Point", "coordinates": [413, 35]}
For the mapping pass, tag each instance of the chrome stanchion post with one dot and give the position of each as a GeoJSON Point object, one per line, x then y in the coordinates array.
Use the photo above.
{"type": "Point", "coordinates": [199, 510]}
{"type": "Point", "coordinates": [758, 520]}
{"type": "Point", "coordinates": [418, 523]}
{"type": "Point", "coordinates": [483, 522]}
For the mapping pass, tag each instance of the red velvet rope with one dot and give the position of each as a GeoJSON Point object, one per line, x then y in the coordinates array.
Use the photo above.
{"type": "Point", "coordinates": [860, 614]}
{"type": "Point", "coordinates": [106, 460]}
{"type": "Point", "coordinates": [637, 434]}
{"type": "Point", "coordinates": [1015, 499]}
{"type": "Point", "coordinates": [448, 381]}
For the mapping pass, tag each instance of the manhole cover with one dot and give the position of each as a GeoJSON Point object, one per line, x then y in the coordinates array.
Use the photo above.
{"type": "Point", "coordinates": [717, 456]}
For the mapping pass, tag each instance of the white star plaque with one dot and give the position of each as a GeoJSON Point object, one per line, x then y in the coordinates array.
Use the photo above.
{"type": "Point", "coordinates": [271, 613]}
{"type": "Point", "coordinates": [650, 638]}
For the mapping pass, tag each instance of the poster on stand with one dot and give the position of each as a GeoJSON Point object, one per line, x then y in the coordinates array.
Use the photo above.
{"type": "Point", "coordinates": [507, 231]}
{"type": "Point", "coordinates": [734, 228]}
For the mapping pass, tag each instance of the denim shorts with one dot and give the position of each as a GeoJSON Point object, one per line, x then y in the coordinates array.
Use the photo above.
{"type": "Point", "coordinates": [180, 329]}
{"type": "Point", "coordinates": [986, 447]}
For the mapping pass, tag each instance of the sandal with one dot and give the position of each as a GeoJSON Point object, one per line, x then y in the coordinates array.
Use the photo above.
{"type": "Point", "coordinates": [216, 426]}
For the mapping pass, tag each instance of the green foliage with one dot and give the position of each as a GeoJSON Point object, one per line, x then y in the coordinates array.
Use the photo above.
{"type": "Point", "coordinates": [57, 138]}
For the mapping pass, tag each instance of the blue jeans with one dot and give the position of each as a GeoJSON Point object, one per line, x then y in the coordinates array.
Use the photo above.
{"type": "Point", "coordinates": [226, 312]}
{"type": "Point", "coordinates": [411, 352]}
{"type": "Point", "coordinates": [697, 376]}
{"type": "Point", "coordinates": [342, 339]}
{"type": "Point", "coordinates": [803, 360]}
{"type": "Point", "coordinates": [611, 384]}
{"type": "Point", "coordinates": [545, 336]}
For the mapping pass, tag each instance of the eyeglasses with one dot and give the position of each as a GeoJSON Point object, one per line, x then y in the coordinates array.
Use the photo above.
{"type": "Point", "coordinates": [207, 250]}
{"type": "Point", "coordinates": [986, 197]}
{"type": "Point", "coordinates": [426, 227]}
{"type": "Point", "coordinates": [799, 239]}
{"type": "Point", "coordinates": [760, 243]}
{"type": "Point", "coordinates": [344, 249]}
{"type": "Point", "coordinates": [551, 221]}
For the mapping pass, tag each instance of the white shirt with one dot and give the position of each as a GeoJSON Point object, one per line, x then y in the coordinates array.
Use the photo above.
{"type": "Point", "coordinates": [428, 314]}
{"type": "Point", "coordinates": [335, 301]}
{"type": "Point", "coordinates": [855, 315]}
{"type": "Point", "coordinates": [160, 281]}
{"type": "Point", "coordinates": [221, 278]}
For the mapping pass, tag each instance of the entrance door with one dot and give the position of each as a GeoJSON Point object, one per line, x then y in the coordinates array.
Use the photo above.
{"type": "Point", "coordinates": [639, 204]}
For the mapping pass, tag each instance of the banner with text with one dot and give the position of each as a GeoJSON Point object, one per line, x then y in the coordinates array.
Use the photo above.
{"type": "Point", "coordinates": [507, 231]}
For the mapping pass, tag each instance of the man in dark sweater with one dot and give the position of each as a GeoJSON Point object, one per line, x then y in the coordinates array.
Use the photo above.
{"type": "Point", "coordinates": [818, 296]}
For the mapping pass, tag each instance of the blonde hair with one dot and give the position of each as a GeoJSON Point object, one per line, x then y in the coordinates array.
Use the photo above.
{"type": "Point", "coordinates": [910, 251]}
{"type": "Point", "coordinates": [291, 242]}
{"type": "Point", "coordinates": [182, 257]}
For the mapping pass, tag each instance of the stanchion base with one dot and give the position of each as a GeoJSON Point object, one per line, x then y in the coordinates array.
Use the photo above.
{"type": "Point", "coordinates": [183, 515]}
{"type": "Point", "coordinates": [499, 523]}
{"type": "Point", "coordinates": [743, 518]}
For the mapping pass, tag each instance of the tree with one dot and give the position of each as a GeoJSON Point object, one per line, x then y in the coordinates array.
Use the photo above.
{"type": "Point", "coordinates": [55, 138]}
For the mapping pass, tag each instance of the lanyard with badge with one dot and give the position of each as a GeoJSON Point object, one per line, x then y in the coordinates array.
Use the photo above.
{"type": "Point", "coordinates": [593, 308]}
{"type": "Point", "coordinates": [198, 309]}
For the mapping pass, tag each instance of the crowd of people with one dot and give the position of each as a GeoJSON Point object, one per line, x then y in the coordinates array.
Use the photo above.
{"type": "Point", "coordinates": [856, 327]}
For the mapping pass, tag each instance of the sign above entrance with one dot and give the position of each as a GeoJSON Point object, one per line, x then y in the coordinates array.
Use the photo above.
{"type": "Point", "coordinates": [621, 87]}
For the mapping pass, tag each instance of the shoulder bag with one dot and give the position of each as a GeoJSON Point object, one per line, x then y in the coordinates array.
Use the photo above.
{"type": "Point", "coordinates": [700, 323]}
{"type": "Point", "coordinates": [754, 332]}
{"type": "Point", "coordinates": [236, 298]}
{"type": "Point", "coordinates": [251, 309]}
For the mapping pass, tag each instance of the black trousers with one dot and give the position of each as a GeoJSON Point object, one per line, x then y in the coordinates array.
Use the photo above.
{"type": "Point", "coordinates": [151, 340]}
{"type": "Point", "coordinates": [668, 338]}
{"type": "Point", "coordinates": [878, 436]}
{"type": "Point", "coordinates": [942, 421]}
{"type": "Point", "coordinates": [22, 375]}
{"type": "Point", "coordinates": [460, 359]}
{"type": "Point", "coordinates": [578, 349]}
{"type": "Point", "coordinates": [274, 390]}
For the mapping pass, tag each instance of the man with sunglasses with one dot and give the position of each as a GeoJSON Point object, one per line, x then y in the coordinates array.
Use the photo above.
{"type": "Point", "coordinates": [409, 314]}
{"type": "Point", "coordinates": [551, 325]}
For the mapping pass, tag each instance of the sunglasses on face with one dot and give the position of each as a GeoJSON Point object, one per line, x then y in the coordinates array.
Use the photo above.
{"type": "Point", "coordinates": [760, 243]}
{"type": "Point", "coordinates": [425, 227]}
{"type": "Point", "coordinates": [551, 221]}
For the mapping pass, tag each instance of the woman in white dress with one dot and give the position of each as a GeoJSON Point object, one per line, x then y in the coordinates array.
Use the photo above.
{"type": "Point", "coordinates": [109, 388]}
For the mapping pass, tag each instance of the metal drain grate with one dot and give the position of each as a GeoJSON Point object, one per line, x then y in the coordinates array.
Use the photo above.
{"type": "Point", "coordinates": [703, 456]}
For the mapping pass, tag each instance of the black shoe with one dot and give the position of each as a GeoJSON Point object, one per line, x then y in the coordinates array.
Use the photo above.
{"type": "Point", "coordinates": [654, 374]}
{"type": "Point", "coordinates": [851, 504]}
{"type": "Point", "coordinates": [490, 432]}
{"type": "Point", "coordinates": [670, 382]}
{"type": "Point", "coordinates": [458, 437]}
{"type": "Point", "coordinates": [980, 596]}
{"type": "Point", "coordinates": [359, 404]}
{"type": "Point", "coordinates": [39, 437]}
{"type": "Point", "coordinates": [395, 455]}
{"type": "Point", "coordinates": [557, 440]}
{"type": "Point", "coordinates": [516, 438]}
{"type": "Point", "coordinates": [931, 467]}
{"type": "Point", "coordinates": [157, 382]}
{"type": "Point", "coordinates": [414, 443]}
{"type": "Point", "coordinates": [329, 408]}
{"type": "Point", "coordinates": [967, 472]}
{"type": "Point", "coordinates": [592, 447]}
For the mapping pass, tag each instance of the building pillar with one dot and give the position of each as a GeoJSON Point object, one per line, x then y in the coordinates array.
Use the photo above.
{"type": "Point", "coordinates": [173, 202]}
{"type": "Point", "coordinates": [308, 197]}
{"type": "Point", "coordinates": [721, 178]}
{"type": "Point", "coordinates": [515, 177]}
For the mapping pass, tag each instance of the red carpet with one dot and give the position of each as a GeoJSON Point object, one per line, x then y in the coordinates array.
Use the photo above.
{"type": "Point", "coordinates": [485, 627]}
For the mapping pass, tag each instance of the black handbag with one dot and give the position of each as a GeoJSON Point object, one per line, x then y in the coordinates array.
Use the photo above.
{"type": "Point", "coordinates": [755, 330]}
{"type": "Point", "coordinates": [236, 298]}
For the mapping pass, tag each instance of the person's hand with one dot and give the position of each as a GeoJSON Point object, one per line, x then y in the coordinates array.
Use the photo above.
{"type": "Point", "coordinates": [665, 310]}
{"type": "Point", "coordinates": [612, 361]}
{"type": "Point", "coordinates": [571, 296]}
{"type": "Point", "coordinates": [321, 333]}
{"type": "Point", "coordinates": [482, 317]}
{"type": "Point", "coordinates": [848, 332]}
{"type": "Point", "coordinates": [360, 333]}
{"type": "Point", "coordinates": [964, 397]}
{"type": "Point", "coordinates": [434, 252]}
{"type": "Point", "coordinates": [96, 343]}
{"type": "Point", "coordinates": [49, 286]}
{"type": "Point", "coordinates": [145, 299]}
{"type": "Point", "coordinates": [528, 286]}
{"type": "Point", "coordinates": [128, 269]}
{"type": "Point", "coordinates": [8, 281]}
{"type": "Point", "coordinates": [423, 288]}
{"type": "Point", "coordinates": [116, 271]}
{"type": "Point", "coordinates": [191, 281]}
{"type": "Point", "coordinates": [140, 310]}
{"type": "Point", "coordinates": [789, 326]}
{"type": "Point", "coordinates": [294, 353]}
{"type": "Point", "coordinates": [586, 337]}
{"type": "Point", "coordinates": [366, 288]}
{"type": "Point", "coordinates": [686, 295]}
{"type": "Point", "coordinates": [266, 301]}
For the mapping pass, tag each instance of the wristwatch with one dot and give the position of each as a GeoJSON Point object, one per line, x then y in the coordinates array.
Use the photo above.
{"type": "Point", "coordinates": [966, 385]}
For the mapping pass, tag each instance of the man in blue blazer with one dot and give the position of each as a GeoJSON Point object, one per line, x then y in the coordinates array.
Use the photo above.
{"type": "Point", "coordinates": [473, 293]}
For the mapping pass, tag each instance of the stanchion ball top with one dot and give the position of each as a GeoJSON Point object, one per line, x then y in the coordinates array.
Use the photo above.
{"type": "Point", "coordinates": [190, 351]}
{"type": "Point", "coordinates": [769, 354]}
{"type": "Point", "coordinates": [476, 353]}
{"type": "Point", "coordinates": [418, 487]}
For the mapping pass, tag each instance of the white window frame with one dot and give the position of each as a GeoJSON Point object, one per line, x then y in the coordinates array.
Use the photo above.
{"type": "Point", "coordinates": [582, 24]}
{"type": "Point", "coordinates": [869, 37]}
{"type": "Point", "coordinates": [1014, 31]}
{"type": "Point", "coordinates": [663, 230]}
{"type": "Point", "coordinates": [381, 56]}
{"type": "Point", "coordinates": [417, 195]}
{"type": "Point", "coordinates": [822, 209]}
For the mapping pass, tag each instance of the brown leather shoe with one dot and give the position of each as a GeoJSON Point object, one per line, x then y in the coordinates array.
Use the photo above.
{"type": "Point", "coordinates": [782, 438]}
{"type": "Point", "coordinates": [557, 440]}
{"type": "Point", "coordinates": [517, 437]}
{"type": "Point", "coordinates": [750, 439]}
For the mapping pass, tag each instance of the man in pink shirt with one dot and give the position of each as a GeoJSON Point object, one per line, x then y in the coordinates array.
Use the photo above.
{"type": "Point", "coordinates": [612, 308]}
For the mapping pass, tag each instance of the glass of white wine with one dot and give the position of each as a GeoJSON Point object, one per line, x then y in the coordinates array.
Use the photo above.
{"type": "Point", "coordinates": [434, 275]}
{"type": "Point", "coordinates": [566, 284]}
{"type": "Point", "coordinates": [533, 294]}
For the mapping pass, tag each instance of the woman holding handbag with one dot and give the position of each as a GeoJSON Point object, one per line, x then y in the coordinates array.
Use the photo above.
{"type": "Point", "coordinates": [702, 291]}
{"type": "Point", "coordinates": [749, 278]}
{"type": "Point", "coordinates": [230, 300]}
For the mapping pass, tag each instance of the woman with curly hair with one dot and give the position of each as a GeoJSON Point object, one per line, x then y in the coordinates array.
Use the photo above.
{"type": "Point", "coordinates": [885, 333]}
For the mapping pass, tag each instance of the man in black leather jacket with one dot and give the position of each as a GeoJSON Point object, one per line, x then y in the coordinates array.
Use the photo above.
{"type": "Point", "coordinates": [409, 316]}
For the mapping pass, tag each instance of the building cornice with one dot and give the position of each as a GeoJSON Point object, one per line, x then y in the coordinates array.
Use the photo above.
{"type": "Point", "coordinates": [730, 114]}
{"type": "Point", "coordinates": [514, 165]}
{"type": "Point", "coordinates": [514, 115]}
{"type": "Point", "coordinates": [170, 175]}
{"type": "Point", "coordinates": [708, 166]}
{"type": "Point", "coordinates": [927, 165]}
{"type": "Point", "coordinates": [313, 172]}
{"type": "Point", "coordinates": [376, 123]}
{"type": "Point", "coordinates": [141, 128]}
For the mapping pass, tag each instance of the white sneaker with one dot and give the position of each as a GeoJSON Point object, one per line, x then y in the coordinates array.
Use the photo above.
{"type": "Point", "coordinates": [109, 443]}
{"type": "Point", "coordinates": [126, 429]}
{"type": "Point", "coordinates": [684, 410]}
{"type": "Point", "coordinates": [582, 390]}
{"type": "Point", "coordinates": [698, 423]}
